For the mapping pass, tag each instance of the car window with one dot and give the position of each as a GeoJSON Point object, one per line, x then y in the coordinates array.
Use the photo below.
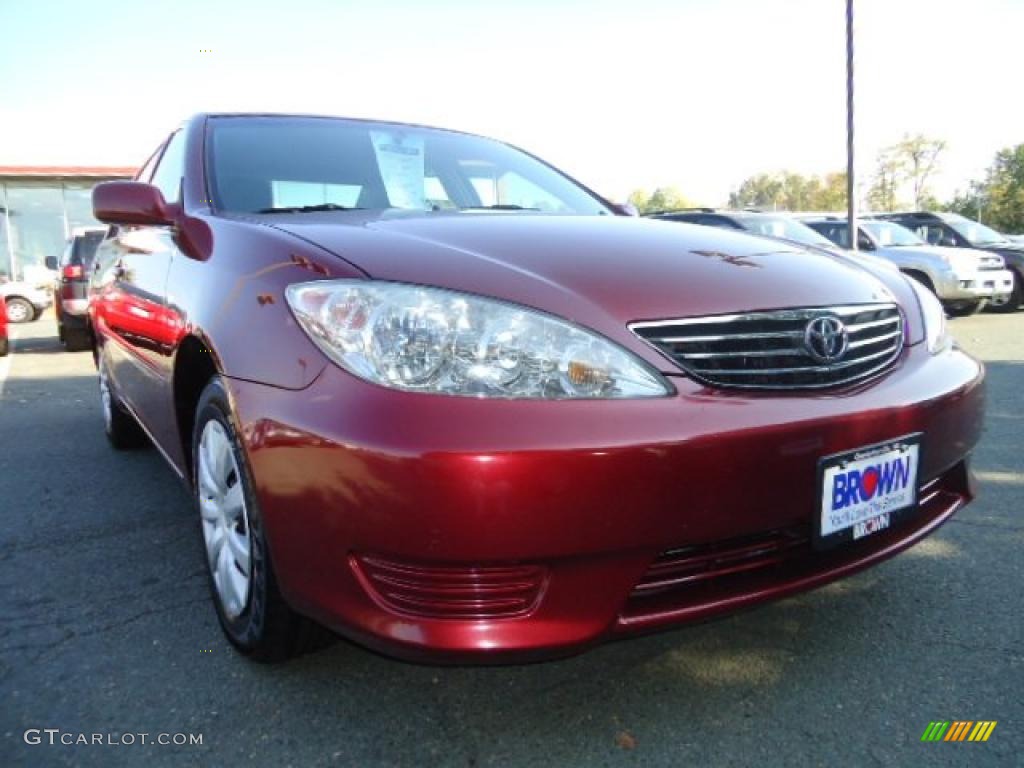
{"type": "Point", "coordinates": [147, 170]}
{"type": "Point", "coordinates": [265, 163]}
{"type": "Point", "coordinates": [496, 186]}
{"type": "Point", "coordinates": [936, 234]}
{"type": "Point", "coordinates": [167, 177]}
{"type": "Point", "coordinates": [720, 221]}
{"type": "Point", "coordinates": [83, 248]}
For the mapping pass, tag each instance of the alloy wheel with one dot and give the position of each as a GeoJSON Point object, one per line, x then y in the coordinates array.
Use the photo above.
{"type": "Point", "coordinates": [225, 519]}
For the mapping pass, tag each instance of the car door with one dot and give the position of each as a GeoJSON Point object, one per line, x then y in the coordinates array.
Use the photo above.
{"type": "Point", "coordinates": [130, 304]}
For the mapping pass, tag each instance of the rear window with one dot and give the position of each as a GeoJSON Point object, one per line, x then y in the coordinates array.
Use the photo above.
{"type": "Point", "coordinates": [84, 249]}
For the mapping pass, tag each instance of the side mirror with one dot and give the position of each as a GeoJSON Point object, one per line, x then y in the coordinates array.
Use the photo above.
{"type": "Point", "coordinates": [131, 202]}
{"type": "Point", "coordinates": [625, 209]}
{"type": "Point", "coordinates": [51, 263]}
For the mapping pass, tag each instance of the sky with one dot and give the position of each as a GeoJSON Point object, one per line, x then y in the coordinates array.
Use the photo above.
{"type": "Point", "coordinates": [696, 94]}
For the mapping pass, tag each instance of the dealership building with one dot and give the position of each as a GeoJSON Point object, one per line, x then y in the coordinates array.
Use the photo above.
{"type": "Point", "coordinates": [39, 208]}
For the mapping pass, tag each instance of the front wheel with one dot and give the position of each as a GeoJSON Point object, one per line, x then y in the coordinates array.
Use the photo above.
{"type": "Point", "coordinates": [249, 605]}
{"type": "Point", "coordinates": [20, 311]}
{"type": "Point", "coordinates": [964, 308]}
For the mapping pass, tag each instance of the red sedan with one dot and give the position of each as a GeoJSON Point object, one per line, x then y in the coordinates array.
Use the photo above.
{"type": "Point", "coordinates": [5, 343]}
{"type": "Point", "coordinates": [429, 391]}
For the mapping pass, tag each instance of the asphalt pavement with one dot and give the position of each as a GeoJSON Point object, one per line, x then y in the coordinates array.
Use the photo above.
{"type": "Point", "coordinates": [107, 629]}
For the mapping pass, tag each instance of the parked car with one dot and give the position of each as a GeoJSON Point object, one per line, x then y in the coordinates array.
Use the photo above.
{"type": "Point", "coordinates": [25, 301]}
{"type": "Point", "coordinates": [776, 226]}
{"type": "Point", "coordinates": [955, 231]}
{"type": "Point", "coordinates": [963, 279]}
{"type": "Point", "coordinates": [5, 344]}
{"type": "Point", "coordinates": [72, 288]}
{"type": "Point", "coordinates": [414, 407]}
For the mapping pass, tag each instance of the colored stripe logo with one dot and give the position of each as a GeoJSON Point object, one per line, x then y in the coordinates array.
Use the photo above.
{"type": "Point", "coordinates": [959, 730]}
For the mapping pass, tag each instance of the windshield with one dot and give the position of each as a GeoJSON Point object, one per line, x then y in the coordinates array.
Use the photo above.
{"type": "Point", "coordinates": [84, 248]}
{"type": "Point", "coordinates": [889, 234]}
{"type": "Point", "coordinates": [268, 164]}
{"type": "Point", "coordinates": [973, 232]}
{"type": "Point", "coordinates": [787, 229]}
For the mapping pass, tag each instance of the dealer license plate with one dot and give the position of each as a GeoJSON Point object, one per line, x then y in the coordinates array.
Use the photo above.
{"type": "Point", "coordinates": [864, 490]}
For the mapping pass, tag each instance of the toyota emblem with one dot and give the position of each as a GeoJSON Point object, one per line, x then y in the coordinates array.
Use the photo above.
{"type": "Point", "coordinates": [826, 339]}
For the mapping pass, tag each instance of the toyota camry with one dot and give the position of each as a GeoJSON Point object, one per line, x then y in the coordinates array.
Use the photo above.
{"type": "Point", "coordinates": [434, 394]}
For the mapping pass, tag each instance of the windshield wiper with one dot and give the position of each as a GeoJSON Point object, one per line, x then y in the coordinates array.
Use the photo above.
{"type": "Point", "coordinates": [310, 208]}
{"type": "Point", "coordinates": [498, 207]}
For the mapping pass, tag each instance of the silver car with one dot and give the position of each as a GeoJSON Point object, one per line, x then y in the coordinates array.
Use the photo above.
{"type": "Point", "coordinates": [25, 302]}
{"type": "Point", "coordinates": [964, 279]}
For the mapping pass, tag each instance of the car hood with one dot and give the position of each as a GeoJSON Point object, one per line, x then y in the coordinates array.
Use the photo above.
{"type": "Point", "coordinates": [965, 259]}
{"type": "Point", "coordinates": [1013, 253]}
{"type": "Point", "coordinates": [600, 272]}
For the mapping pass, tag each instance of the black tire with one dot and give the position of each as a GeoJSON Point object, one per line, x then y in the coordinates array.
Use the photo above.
{"type": "Point", "coordinates": [20, 310]}
{"type": "Point", "coordinates": [266, 629]}
{"type": "Point", "coordinates": [5, 347]}
{"type": "Point", "coordinates": [963, 308]}
{"type": "Point", "coordinates": [121, 429]}
{"type": "Point", "coordinates": [1013, 303]}
{"type": "Point", "coordinates": [76, 339]}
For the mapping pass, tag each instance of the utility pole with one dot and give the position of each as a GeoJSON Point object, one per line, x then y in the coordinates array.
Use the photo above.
{"type": "Point", "coordinates": [851, 201]}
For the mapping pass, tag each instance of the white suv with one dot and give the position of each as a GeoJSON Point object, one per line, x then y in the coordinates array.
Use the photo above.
{"type": "Point", "coordinates": [963, 279]}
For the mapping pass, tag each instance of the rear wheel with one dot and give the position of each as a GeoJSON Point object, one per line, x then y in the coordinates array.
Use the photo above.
{"type": "Point", "coordinates": [19, 310]}
{"type": "Point", "coordinates": [1012, 302]}
{"type": "Point", "coordinates": [121, 429]}
{"type": "Point", "coordinates": [75, 339]}
{"type": "Point", "coordinates": [249, 605]}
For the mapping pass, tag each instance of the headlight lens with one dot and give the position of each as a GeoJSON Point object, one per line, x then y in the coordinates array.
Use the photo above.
{"type": "Point", "coordinates": [934, 316]}
{"type": "Point", "coordinates": [433, 340]}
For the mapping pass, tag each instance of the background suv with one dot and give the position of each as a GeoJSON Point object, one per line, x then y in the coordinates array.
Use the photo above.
{"type": "Point", "coordinates": [73, 288]}
{"type": "Point", "coordinates": [963, 279]}
{"type": "Point", "coordinates": [956, 231]}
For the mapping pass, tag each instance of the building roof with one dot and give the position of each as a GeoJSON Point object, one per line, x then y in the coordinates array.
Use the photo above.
{"type": "Point", "coordinates": [84, 171]}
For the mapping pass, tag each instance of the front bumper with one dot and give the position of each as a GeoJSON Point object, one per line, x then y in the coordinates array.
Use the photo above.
{"type": "Point", "coordinates": [973, 286]}
{"type": "Point", "coordinates": [381, 506]}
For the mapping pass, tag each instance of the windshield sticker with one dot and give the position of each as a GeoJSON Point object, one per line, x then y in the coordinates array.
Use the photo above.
{"type": "Point", "coordinates": [400, 160]}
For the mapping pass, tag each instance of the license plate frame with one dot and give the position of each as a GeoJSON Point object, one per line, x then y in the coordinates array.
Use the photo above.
{"type": "Point", "coordinates": [876, 521]}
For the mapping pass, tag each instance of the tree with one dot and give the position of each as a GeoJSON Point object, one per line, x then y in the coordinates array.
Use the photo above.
{"type": "Point", "coordinates": [787, 191]}
{"type": "Point", "coordinates": [1004, 193]}
{"type": "Point", "coordinates": [662, 199]}
{"type": "Point", "coordinates": [920, 158]}
{"type": "Point", "coordinates": [890, 173]}
{"type": "Point", "coordinates": [998, 199]}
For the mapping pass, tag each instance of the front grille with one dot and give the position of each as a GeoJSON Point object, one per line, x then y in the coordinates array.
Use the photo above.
{"type": "Point", "coordinates": [704, 579]}
{"type": "Point", "coordinates": [769, 350]}
{"type": "Point", "coordinates": [452, 591]}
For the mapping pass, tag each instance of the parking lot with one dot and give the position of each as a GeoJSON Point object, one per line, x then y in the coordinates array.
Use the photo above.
{"type": "Point", "coordinates": [108, 627]}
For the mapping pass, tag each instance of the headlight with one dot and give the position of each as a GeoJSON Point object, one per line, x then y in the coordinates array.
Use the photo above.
{"type": "Point", "coordinates": [934, 317]}
{"type": "Point", "coordinates": [433, 340]}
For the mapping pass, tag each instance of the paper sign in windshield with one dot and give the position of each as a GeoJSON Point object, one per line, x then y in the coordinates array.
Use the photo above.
{"type": "Point", "coordinates": [400, 160]}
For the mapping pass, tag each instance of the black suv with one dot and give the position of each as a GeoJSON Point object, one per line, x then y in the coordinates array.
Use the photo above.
{"type": "Point", "coordinates": [775, 226]}
{"type": "Point", "coordinates": [954, 230]}
{"type": "Point", "coordinates": [73, 289]}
